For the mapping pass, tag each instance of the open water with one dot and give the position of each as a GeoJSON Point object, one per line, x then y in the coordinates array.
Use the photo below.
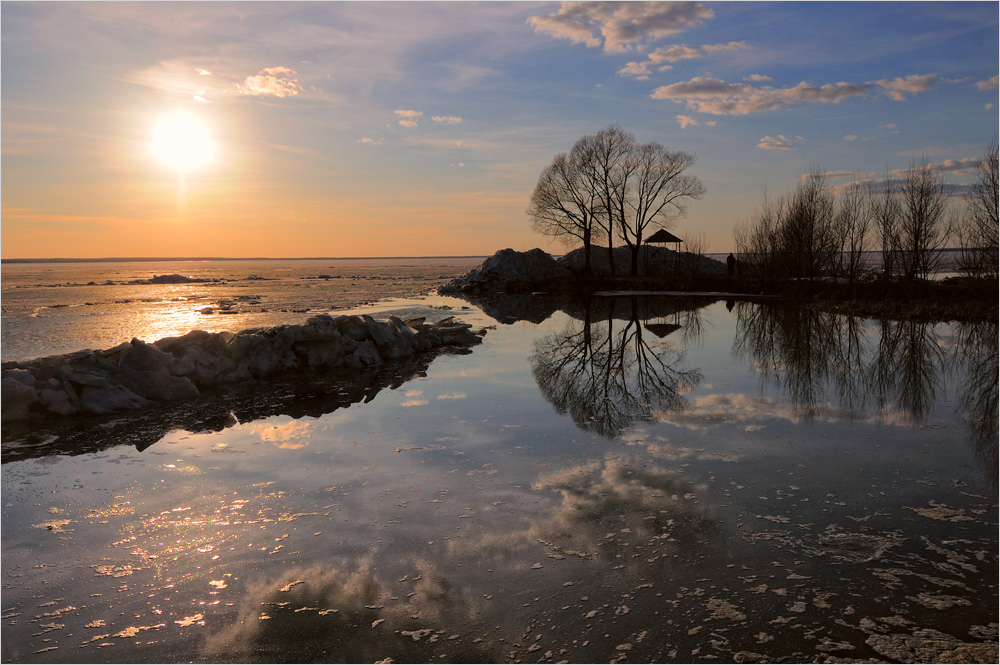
{"type": "Point", "coordinates": [614, 480]}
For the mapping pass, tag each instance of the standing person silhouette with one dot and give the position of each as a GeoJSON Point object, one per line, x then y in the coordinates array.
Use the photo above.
{"type": "Point", "coordinates": [731, 263]}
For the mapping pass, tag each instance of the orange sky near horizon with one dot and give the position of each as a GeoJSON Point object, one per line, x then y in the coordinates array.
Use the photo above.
{"type": "Point", "coordinates": [420, 128]}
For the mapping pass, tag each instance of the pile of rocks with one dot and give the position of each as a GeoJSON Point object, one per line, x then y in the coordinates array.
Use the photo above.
{"type": "Point", "coordinates": [136, 374]}
{"type": "Point", "coordinates": [509, 270]}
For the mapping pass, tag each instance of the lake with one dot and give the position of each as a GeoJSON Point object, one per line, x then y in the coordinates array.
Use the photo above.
{"type": "Point", "coordinates": [615, 480]}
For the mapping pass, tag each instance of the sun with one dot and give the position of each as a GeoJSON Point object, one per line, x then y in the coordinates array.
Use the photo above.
{"type": "Point", "coordinates": [182, 142]}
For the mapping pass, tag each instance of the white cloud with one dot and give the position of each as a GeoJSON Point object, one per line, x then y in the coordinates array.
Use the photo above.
{"type": "Point", "coordinates": [675, 53]}
{"type": "Point", "coordinates": [989, 106]}
{"type": "Point", "coordinates": [638, 70]}
{"type": "Point", "coordinates": [988, 84]}
{"type": "Point", "coordinates": [446, 119]}
{"type": "Point", "coordinates": [370, 140]}
{"type": "Point", "coordinates": [408, 116]}
{"type": "Point", "coordinates": [779, 142]}
{"type": "Point", "coordinates": [715, 96]}
{"type": "Point", "coordinates": [414, 402]}
{"type": "Point", "coordinates": [271, 82]}
{"type": "Point", "coordinates": [898, 87]}
{"type": "Point", "coordinates": [202, 72]}
{"type": "Point", "coordinates": [620, 26]}
{"type": "Point", "coordinates": [728, 46]}
{"type": "Point", "coordinates": [687, 121]}
{"type": "Point", "coordinates": [711, 411]}
{"type": "Point", "coordinates": [756, 78]}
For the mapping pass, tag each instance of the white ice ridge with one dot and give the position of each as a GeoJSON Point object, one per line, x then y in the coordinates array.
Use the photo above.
{"type": "Point", "coordinates": [137, 374]}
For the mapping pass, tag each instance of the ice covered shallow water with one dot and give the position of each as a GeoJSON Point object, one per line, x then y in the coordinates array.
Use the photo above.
{"type": "Point", "coordinates": [618, 481]}
{"type": "Point", "coordinates": [55, 308]}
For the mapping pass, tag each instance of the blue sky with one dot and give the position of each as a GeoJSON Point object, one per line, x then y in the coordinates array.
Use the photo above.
{"type": "Point", "coordinates": [378, 128]}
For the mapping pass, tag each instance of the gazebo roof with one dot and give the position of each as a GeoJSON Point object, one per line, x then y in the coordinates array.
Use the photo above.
{"type": "Point", "coordinates": [663, 236]}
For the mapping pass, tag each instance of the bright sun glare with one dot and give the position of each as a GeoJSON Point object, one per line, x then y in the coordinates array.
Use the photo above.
{"type": "Point", "coordinates": [182, 142]}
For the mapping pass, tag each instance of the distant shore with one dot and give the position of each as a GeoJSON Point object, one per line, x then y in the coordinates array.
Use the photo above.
{"type": "Point", "coordinates": [146, 259]}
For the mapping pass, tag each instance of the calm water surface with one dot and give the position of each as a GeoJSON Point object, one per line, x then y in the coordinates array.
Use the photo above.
{"type": "Point", "coordinates": [620, 480]}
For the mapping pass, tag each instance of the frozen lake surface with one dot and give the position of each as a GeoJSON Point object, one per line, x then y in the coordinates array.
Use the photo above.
{"type": "Point", "coordinates": [619, 480]}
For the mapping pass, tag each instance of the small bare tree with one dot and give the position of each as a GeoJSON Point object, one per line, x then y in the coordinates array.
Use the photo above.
{"type": "Point", "coordinates": [808, 237]}
{"type": "Point", "coordinates": [757, 241]}
{"type": "Point", "coordinates": [852, 227]}
{"type": "Point", "coordinates": [885, 213]}
{"type": "Point", "coordinates": [923, 229]}
{"type": "Point", "coordinates": [978, 227]}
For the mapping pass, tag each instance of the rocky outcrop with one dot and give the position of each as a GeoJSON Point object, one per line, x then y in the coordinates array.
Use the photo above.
{"type": "Point", "coordinates": [137, 374]}
{"type": "Point", "coordinates": [652, 261]}
{"type": "Point", "coordinates": [508, 270]}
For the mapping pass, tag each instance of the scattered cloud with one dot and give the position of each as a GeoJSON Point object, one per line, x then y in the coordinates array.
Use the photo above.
{"type": "Point", "coordinates": [854, 137]}
{"type": "Point", "coordinates": [446, 119]}
{"type": "Point", "coordinates": [711, 411]}
{"type": "Point", "coordinates": [271, 82]}
{"type": "Point", "coordinates": [989, 107]}
{"type": "Point", "coordinates": [292, 435]}
{"type": "Point", "coordinates": [202, 72]}
{"type": "Point", "coordinates": [675, 53]}
{"type": "Point", "coordinates": [836, 174]}
{"type": "Point", "coordinates": [956, 166]}
{"type": "Point", "coordinates": [620, 26]}
{"type": "Point", "coordinates": [756, 78]}
{"type": "Point", "coordinates": [779, 142]}
{"type": "Point", "coordinates": [715, 96]}
{"type": "Point", "coordinates": [452, 396]}
{"type": "Point", "coordinates": [988, 84]}
{"type": "Point", "coordinates": [728, 46]}
{"type": "Point", "coordinates": [687, 121]}
{"type": "Point", "coordinates": [897, 88]}
{"type": "Point", "coordinates": [637, 70]}
{"type": "Point", "coordinates": [370, 140]}
{"type": "Point", "coordinates": [408, 117]}
{"type": "Point", "coordinates": [414, 402]}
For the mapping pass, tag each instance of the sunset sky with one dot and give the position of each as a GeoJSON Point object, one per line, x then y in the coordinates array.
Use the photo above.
{"type": "Point", "coordinates": [409, 129]}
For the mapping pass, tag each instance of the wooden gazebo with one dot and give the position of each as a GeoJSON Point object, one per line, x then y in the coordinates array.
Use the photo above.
{"type": "Point", "coordinates": [664, 237]}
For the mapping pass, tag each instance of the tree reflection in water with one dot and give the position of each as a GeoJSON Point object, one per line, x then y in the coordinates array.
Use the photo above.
{"type": "Point", "coordinates": [894, 369]}
{"type": "Point", "coordinates": [976, 356]}
{"type": "Point", "coordinates": [611, 373]}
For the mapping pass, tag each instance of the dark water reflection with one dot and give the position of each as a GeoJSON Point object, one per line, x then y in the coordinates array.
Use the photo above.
{"type": "Point", "coordinates": [308, 396]}
{"type": "Point", "coordinates": [895, 369]}
{"type": "Point", "coordinates": [628, 480]}
{"type": "Point", "coordinates": [607, 373]}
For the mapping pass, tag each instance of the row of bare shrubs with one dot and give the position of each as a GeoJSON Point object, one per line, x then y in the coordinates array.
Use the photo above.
{"type": "Point", "coordinates": [819, 232]}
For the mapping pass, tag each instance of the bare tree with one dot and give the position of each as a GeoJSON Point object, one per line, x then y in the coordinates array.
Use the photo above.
{"type": "Point", "coordinates": [791, 237]}
{"type": "Point", "coordinates": [564, 201]}
{"type": "Point", "coordinates": [808, 238]}
{"type": "Point", "coordinates": [978, 227]}
{"type": "Point", "coordinates": [611, 187]}
{"type": "Point", "coordinates": [923, 220]}
{"type": "Point", "coordinates": [852, 228]}
{"type": "Point", "coordinates": [655, 190]}
{"type": "Point", "coordinates": [885, 213]}
{"type": "Point", "coordinates": [757, 240]}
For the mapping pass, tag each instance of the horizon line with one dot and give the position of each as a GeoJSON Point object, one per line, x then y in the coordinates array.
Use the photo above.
{"type": "Point", "coordinates": [136, 259]}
